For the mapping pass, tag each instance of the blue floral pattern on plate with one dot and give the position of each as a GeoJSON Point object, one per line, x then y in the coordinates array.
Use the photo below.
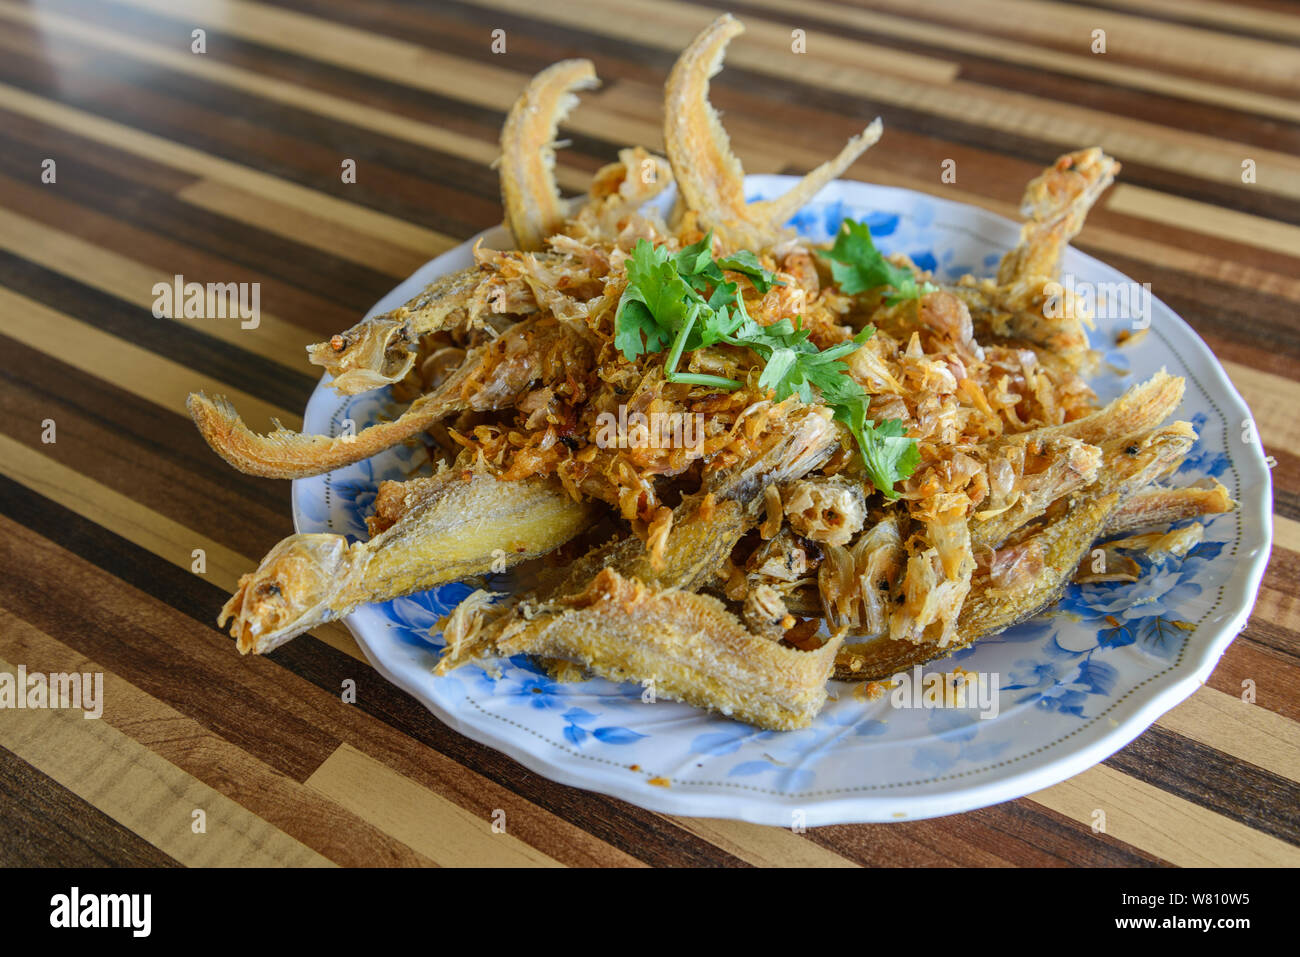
{"type": "Point", "coordinates": [1075, 684]}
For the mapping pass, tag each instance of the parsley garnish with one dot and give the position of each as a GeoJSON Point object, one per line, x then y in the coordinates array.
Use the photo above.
{"type": "Point", "coordinates": [857, 265]}
{"type": "Point", "coordinates": [683, 301]}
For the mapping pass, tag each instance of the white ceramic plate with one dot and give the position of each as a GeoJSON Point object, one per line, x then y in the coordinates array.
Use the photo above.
{"type": "Point", "coordinates": [1075, 685]}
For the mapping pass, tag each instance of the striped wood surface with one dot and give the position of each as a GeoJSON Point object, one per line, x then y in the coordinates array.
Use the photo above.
{"type": "Point", "coordinates": [225, 166]}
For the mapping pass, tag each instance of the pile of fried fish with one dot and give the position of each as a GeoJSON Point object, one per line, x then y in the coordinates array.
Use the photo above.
{"type": "Point", "coordinates": [886, 468]}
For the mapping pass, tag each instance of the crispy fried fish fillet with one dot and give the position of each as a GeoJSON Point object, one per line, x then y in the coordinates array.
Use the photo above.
{"type": "Point", "coordinates": [1026, 302]}
{"type": "Point", "coordinates": [1141, 408]}
{"type": "Point", "coordinates": [1127, 467]}
{"type": "Point", "coordinates": [380, 350]}
{"type": "Point", "coordinates": [709, 176]}
{"type": "Point", "coordinates": [618, 191]}
{"type": "Point", "coordinates": [437, 529]}
{"type": "Point", "coordinates": [534, 209]}
{"type": "Point", "coordinates": [987, 611]}
{"type": "Point", "coordinates": [1055, 204]}
{"type": "Point", "coordinates": [705, 529]}
{"type": "Point", "coordinates": [493, 376]}
{"type": "Point", "coordinates": [1070, 465]}
{"type": "Point", "coordinates": [688, 644]}
{"type": "Point", "coordinates": [1032, 310]}
{"type": "Point", "coordinates": [1163, 506]}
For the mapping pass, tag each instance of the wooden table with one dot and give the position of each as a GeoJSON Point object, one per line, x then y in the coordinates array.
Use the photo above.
{"type": "Point", "coordinates": [225, 165]}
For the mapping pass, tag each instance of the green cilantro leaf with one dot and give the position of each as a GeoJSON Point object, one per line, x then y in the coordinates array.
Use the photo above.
{"type": "Point", "coordinates": [654, 304]}
{"type": "Point", "coordinates": [744, 261]}
{"type": "Point", "coordinates": [858, 266]}
{"type": "Point", "coordinates": [682, 302]}
{"type": "Point", "coordinates": [887, 454]}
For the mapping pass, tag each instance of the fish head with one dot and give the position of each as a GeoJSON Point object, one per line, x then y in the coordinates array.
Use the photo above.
{"type": "Point", "coordinates": [289, 592]}
{"type": "Point", "coordinates": [368, 356]}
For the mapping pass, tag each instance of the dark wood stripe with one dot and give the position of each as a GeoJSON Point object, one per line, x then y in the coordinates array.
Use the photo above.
{"type": "Point", "coordinates": [1191, 20]}
{"type": "Point", "coordinates": [1286, 483]}
{"type": "Point", "coordinates": [819, 108]}
{"type": "Point", "coordinates": [642, 834]}
{"type": "Point", "coordinates": [196, 670]}
{"type": "Point", "coordinates": [156, 644]}
{"type": "Point", "coordinates": [1206, 776]}
{"type": "Point", "coordinates": [1274, 677]}
{"type": "Point", "coordinates": [428, 107]}
{"type": "Point", "coordinates": [150, 622]}
{"type": "Point", "coordinates": [1018, 832]}
{"type": "Point", "coordinates": [316, 166]}
{"type": "Point", "coordinates": [134, 448]}
{"type": "Point", "coordinates": [46, 825]}
{"type": "Point", "coordinates": [140, 243]}
{"type": "Point", "coordinates": [27, 139]}
{"type": "Point", "coordinates": [1225, 315]}
{"type": "Point", "coordinates": [316, 821]}
{"type": "Point", "coordinates": [443, 111]}
{"type": "Point", "coordinates": [1191, 66]}
{"type": "Point", "coordinates": [244, 253]}
{"type": "Point", "coordinates": [1094, 93]}
{"type": "Point", "coordinates": [177, 340]}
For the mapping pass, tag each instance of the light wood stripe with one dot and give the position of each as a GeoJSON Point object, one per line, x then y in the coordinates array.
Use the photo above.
{"type": "Point", "coordinates": [146, 793]}
{"type": "Point", "coordinates": [765, 47]}
{"type": "Point", "coordinates": [1286, 533]}
{"type": "Point", "coordinates": [1162, 824]}
{"type": "Point", "coordinates": [295, 224]}
{"type": "Point", "coordinates": [426, 796]}
{"type": "Point", "coordinates": [142, 526]}
{"type": "Point", "coordinates": [132, 281]}
{"type": "Point", "coordinates": [1086, 65]}
{"type": "Point", "coordinates": [1245, 731]}
{"type": "Point", "coordinates": [1224, 14]}
{"type": "Point", "coordinates": [1134, 37]}
{"type": "Point", "coordinates": [129, 367]}
{"type": "Point", "coordinates": [427, 822]}
{"type": "Point", "coordinates": [411, 65]}
{"type": "Point", "coordinates": [212, 70]}
{"type": "Point", "coordinates": [1094, 235]}
{"type": "Point", "coordinates": [255, 785]}
{"type": "Point", "coordinates": [1205, 218]}
{"type": "Point", "coordinates": [1273, 400]}
{"type": "Point", "coordinates": [342, 45]}
{"type": "Point", "coordinates": [763, 846]}
{"type": "Point", "coordinates": [1274, 606]}
{"type": "Point", "coordinates": [366, 221]}
{"type": "Point", "coordinates": [1067, 125]}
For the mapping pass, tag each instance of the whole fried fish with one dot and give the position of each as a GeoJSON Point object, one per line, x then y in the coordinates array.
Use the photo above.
{"type": "Point", "coordinates": [430, 530]}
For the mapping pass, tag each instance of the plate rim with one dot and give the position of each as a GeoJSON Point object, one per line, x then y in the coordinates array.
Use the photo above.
{"type": "Point", "coordinates": [1243, 583]}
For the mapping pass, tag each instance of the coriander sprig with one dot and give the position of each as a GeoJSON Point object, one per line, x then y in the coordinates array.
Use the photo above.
{"type": "Point", "coordinates": [857, 266]}
{"type": "Point", "coordinates": [682, 301]}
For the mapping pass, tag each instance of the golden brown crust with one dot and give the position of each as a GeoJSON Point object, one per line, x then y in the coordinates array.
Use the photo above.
{"type": "Point", "coordinates": [688, 645]}
{"type": "Point", "coordinates": [379, 351]}
{"type": "Point", "coordinates": [987, 611]}
{"type": "Point", "coordinates": [534, 209]}
{"type": "Point", "coordinates": [436, 529]}
{"type": "Point", "coordinates": [709, 176]}
{"type": "Point", "coordinates": [286, 454]}
{"type": "Point", "coordinates": [1163, 506]}
{"type": "Point", "coordinates": [1056, 202]}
